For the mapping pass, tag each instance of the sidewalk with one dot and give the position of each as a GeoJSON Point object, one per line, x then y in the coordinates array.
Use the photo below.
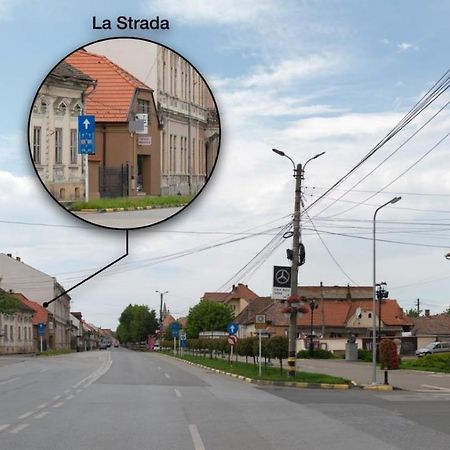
{"type": "Point", "coordinates": [361, 373]}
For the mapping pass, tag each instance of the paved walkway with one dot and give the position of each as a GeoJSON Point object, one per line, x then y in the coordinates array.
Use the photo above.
{"type": "Point", "coordinates": [361, 373]}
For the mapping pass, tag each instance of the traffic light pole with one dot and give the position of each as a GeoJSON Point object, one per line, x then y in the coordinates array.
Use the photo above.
{"type": "Point", "coordinates": [292, 333]}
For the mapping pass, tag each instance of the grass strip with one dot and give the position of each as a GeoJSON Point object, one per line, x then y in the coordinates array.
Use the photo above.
{"type": "Point", "coordinates": [62, 351]}
{"type": "Point", "coordinates": [267, 373]}
{"type": "Point", "coordinates": [430, 363]}
{"type": "Point", "coordinates": [133, 202]}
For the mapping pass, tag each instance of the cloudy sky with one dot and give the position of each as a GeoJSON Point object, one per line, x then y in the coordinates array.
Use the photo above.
{"type": "Point", "coordinates": [301, 76]}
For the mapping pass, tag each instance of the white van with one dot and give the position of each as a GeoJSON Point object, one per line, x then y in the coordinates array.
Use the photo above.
{"type": "Point", "coordinates": [434, 347]}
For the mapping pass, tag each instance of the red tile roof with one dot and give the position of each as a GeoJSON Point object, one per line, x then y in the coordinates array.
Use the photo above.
{"type": "Point", "coordinates": [237, 292]}
{"type": "Point", "coordinates": [432, 325]}
{"type": "Point", "coordinates": [111, 99]}
{"type": "Point", "coordinates": [168, 320]}
{"type": "Point", "coordinates": [40, 313]}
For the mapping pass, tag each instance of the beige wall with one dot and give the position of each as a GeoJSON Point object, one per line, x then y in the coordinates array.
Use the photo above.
{"type": "Point", "coordinates": [16, 333]}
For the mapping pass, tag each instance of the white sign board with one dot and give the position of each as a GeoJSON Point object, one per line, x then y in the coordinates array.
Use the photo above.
{"type": "Point", "coordinates": [143, 117]}
{"type": "Point", "coordinates": [145, 140]}
{"type": "Point", "coordinates": [281, 286]}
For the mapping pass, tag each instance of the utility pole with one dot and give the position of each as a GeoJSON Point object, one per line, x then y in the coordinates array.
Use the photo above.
{"type": "Point", "coordinates": [418, 307]}
{"type": "Point", "coordinates": [161, 294]}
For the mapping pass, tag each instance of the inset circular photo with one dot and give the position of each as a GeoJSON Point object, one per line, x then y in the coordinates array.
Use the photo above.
{"type": "Point", "coordinates": [124, 133]}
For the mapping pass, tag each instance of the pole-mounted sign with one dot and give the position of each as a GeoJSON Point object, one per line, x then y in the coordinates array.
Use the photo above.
{"type": "Point", "coordinates": [86, 135]}
{"type": "Point", "coordinates": [281, 282]}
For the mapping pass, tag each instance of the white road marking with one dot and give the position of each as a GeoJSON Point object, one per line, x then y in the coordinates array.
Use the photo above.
{"type": "Point", "coordinates": [10, 380]}
{"type": "Point", "coordinates": [41, 415]}
{"type": "Point", "coordinates": [79, 390]}
{"type": "Point", "coordinates": [70, 397]}
{"type": "Point", "coordinates": [26, 415]}
{"type": "Point", "coordinates": [167, 375]}
{"type": "Point", "coordinates": [19, 428]}
{"type": "Point", "coordinates": [432, 388]}
{"type": "Point", "coordinates": [178, 393]}
{"type": "Point", "coordinates": [43, 405]}
{"type": "Point", "coordinates": [66, 391]}
{"type": "Point", "coordinates": [57, 397]}
{"type": "Point", "coordinates": [43, 370]}
{"type": "Point", "coordinates": [196, 439]}
{"type": "Point", "coordinates": [159, 368]}
{"type": "Point", "coordinates": [4, 426]}
{"type": "Point", "coordinates": [57, 405]}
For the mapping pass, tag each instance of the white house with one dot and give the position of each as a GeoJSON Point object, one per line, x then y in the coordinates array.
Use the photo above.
{"type": "Point", "coordinates": [16, 276]}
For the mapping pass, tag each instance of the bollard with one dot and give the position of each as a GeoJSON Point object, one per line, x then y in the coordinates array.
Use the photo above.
{"type": "Point", "coordinates": [386, 382]}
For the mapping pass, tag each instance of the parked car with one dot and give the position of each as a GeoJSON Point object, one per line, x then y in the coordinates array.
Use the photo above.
{"type": "Point", "coordinates": [103, 345]}
{"type": "Point", "coordinates": [116, 344]}
{"type": "Point", "coordinates": [434, 347]}
{"type": "Point", "coordinates": [156, 348]}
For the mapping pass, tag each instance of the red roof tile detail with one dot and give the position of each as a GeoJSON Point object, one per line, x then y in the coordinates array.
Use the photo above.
{"type": "Point", "coordinates": [237, 292]}
{"type": "Point", "coordinates": [111, 99]}
{"type": "Point", "coordinates": [40, 313]}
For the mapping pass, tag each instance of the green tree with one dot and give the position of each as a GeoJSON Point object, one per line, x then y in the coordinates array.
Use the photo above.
{"type": "Point", "coordinates": [207, 316]}
{"type": "Point", "coordinates": [413, 313]}
{"type": "Point", "coordinates": [447, 311]}
{"type": "Point", "coordinates": [135, 323]}
{"type": "Point", "coordinates": [277, 348]}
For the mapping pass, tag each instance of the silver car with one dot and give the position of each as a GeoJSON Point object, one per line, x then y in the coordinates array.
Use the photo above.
{"type": "Point", "coordinates": [434, 347]}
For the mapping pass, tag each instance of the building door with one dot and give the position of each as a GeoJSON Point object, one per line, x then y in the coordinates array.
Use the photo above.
{"type": "Point", "coordinates": [144, 174]}
{"type": "Point", "coordinates": [114, 181]}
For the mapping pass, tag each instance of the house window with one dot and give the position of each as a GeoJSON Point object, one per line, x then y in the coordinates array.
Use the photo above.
{"type": "Point", "coordinates": [37, 145]}
{"type": "Point", "coordinates": [6, 332]}
{"type": "Point", "coordinates": [77, 193]}
{"type": "Point", "coordinates": [11, 333]}
{"type": "Point", "coordinates": [174, 168]}
{"type": "Point", "coordinates": [73, 146]}
{"type": "Point", "coordinates": [19, 338]}
{"type": "Point", "coordinates": [143, 106]}
{"type": "Point", "coordinates": [58, 145]}
{"type": "Point", "coordinates": [25, 333]}
{"type": "Point", "coordinates": [43, 106]}
{"type": "Point", "coordinates": [61, 109]}
{"type": "Point", "coordinates": [370, 315]}
{"type": "Point", "coordinates": [62, 194]}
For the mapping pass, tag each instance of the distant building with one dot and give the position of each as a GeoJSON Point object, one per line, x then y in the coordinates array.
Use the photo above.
{"type": "Point", "coordinates": [54, 132]}
{"type": "Point", "coordinates": [127, 138]}
{"type": "Point", "coordinates": [16, 276]}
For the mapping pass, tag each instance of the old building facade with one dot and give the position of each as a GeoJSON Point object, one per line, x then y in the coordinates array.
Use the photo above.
{"type": "Point", "coordinates": [53, 132]}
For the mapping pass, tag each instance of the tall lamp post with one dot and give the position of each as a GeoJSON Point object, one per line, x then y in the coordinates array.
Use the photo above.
{"type": "Point", "coordinates": [374, 293]}
{"type": "Point", "coordinates": [294, 301]}
{"type": "Point", "coordinates": [161, 294]}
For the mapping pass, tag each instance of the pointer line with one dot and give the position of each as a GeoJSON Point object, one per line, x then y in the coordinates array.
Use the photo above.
{"type": "Point", "coordinates": [45, 304]}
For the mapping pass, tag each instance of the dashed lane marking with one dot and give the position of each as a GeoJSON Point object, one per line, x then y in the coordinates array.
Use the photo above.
{"type": "Point", "coordinates": [167, 375]}
{"type": "Point", "coordinates": [10, 380]}
{"type": "Point", "coordinates": [178, 393]}
{"type": "Point", "coordinates": [57, 397]}
{"type": "Point", "coordinates": [19, 428]}
{"type": "Point", "coordinates": [196, 439]}
{"type": "Point", "coordinates": [70, 397]}
{"type": "Point", "coordinates": [23, 416]}
{"type": "Point", "coordinates": [43, 405]}
{"type": "Point", "coordinates": [4, 426]}
{"type": "Point", "coordinates": [57, 405]}
{"type": "Point", "coordinates": [41, 415]}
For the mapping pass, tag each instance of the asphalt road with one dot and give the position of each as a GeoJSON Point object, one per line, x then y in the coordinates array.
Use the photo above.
{"type": "Point", "coordinates": [129, 219]}
{"type": "Point", "coordinates": [118, 399]}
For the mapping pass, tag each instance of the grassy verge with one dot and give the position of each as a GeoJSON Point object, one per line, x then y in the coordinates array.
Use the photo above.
{"type": "Point", "coordinates": [54, 352]}
{"type": "Point", "coordinates": [431, 363]}
{"type": "Point", "coordinates": [132, 202]}
{"type": "Point", "coordinates": [268, 373]}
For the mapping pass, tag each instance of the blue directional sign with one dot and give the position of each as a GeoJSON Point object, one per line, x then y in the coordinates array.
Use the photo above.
{"type": "Point", "coordinates": [86, 135]}
{"type": "Point", "coordinates": [175, 329]}
{"type": "Point", "coordinates": [232, 328]}
{"type": "Point", "coordinates": [41, 329]}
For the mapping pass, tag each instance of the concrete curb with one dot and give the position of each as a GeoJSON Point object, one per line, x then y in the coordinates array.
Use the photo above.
{"type": "Point", "coordinates": [378, 387]}
{"type": "Point", "coordinates": [136, 208]}
{"type": "Point", "coordinates": [342, 387]}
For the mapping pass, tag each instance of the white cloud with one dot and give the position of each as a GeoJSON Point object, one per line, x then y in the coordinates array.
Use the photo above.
{"type": "Point", "coordinates": [225, 12]}
{"type": "Point", "coordinates": [405, 46]}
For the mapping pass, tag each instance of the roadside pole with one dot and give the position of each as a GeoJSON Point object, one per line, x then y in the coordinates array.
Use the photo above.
{"type": "Point", "coordinates": [259, 359]}
{"type": "Point", "coordinates": [86, 177]}
{"type": "Point", "coordinates": [42, 346]}
{"type": "Point", "coordinates": [174, 345]}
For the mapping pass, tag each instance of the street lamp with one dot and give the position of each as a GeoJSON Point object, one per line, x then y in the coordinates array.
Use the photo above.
{"type": "Point", "coordinates": [161, 294]}
{"type": "Point", "coordinates": [312, 306]}
{"type": "Point", "coordinates": [294, 302]}
{"type": "Point", "coordinates": [374, 293]}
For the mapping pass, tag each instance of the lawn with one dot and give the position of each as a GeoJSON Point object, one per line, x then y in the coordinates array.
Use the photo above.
{"type": "Point", "coordinates": [268, 373]}
{"type": "Point", "coordinates": [133, 202]}
{"type": "Point", "coordinates": [432, 363]}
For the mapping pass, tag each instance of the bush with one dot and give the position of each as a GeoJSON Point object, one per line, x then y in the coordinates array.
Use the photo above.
{"type": "Point", "coordinates": [364, 355]}
{"type": "Point", "coordinates": [317, 354]}
{"type": "Point", "coordinates": [437, 362]}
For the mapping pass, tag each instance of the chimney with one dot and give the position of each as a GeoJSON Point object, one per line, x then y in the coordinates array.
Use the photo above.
{"type": "Point", "coordinates": [427, 313]}
{"type": "Point", "coordinates": [9, 254]}
{"type": "Point", "coordinates": [18, 258]}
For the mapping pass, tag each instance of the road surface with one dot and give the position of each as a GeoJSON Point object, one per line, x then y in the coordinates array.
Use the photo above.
{"type": "Point", "coordinates": [119, 399]}
{"type": "Point", "coordinates": [129, 219]}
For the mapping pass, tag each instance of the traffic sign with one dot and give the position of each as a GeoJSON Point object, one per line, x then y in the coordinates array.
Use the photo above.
{"type": "Point", "coordinates": [175, 329]}
{"type": "Point", "coordinates": [260, 321]}
{"type": "Point", "coordinates": [41, 329]}
{"type": "Point", "coordinates": [182, 336]}
{"type": "Point", "coordinates": [86, 135]}
{"type": "Point", "coordinates": [232, 328]}
{"type": "Point", "coordinates": [232, 339]}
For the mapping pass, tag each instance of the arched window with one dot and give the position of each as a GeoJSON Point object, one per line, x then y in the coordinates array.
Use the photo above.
{"type": "Point", "coordinates": [62, 194]}
{"type": "Point", "coordinates": [61, 109]}
{"type": "Point", "coordinates": [77, 193]}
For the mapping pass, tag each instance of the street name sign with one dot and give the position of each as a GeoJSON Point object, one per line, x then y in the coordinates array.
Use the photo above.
{"type": "Point", "coordinates": [281, 288]}
{"type": "Point", "coordinates": [86, 135]}
{"type": "Point", "coordinates": [232, 328]}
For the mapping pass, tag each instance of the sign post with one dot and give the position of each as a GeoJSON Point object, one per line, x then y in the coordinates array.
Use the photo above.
{"type": "Point", "coordinates": [260, 323]}
{"type": "Point", "coordinates": [175, 332]}
{"type": "Point", "coordinates": [86, 145]}
{"type": "Point", "coordinates": [232, 339]}
{"type": "Point", "coordinates": [41, 332]}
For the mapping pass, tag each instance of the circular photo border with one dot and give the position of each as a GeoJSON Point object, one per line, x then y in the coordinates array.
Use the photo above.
{"type": "Point", "coordinates": [85, 219]}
